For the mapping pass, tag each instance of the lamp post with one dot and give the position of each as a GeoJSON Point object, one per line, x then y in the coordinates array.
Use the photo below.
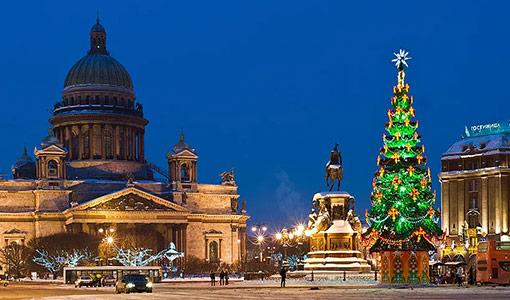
{"type": "Point", "coordinates": [108, 239]}
{"type": "Point", "coordinates": [260, 240]}
{"type": "Point", "coordinates": [294, 238]}
{"type": "Point", "coordinates": [259, 230]}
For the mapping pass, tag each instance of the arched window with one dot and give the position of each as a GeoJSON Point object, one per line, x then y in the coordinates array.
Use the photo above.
{"type": "Point", "coordinates": [52, 168]}
{"type": "Point", "coordinates": [213, 252]}
{"type": "Point", "coordinates": [108, 144]}
{"type": "Point", "coordinates": [185, 173]}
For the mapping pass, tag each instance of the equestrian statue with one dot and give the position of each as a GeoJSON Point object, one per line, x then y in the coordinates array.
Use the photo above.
{"type": "Point", "coordinates": [334, 169]}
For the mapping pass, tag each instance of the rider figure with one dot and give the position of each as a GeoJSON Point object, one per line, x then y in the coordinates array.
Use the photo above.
{"type": "Point", "coordinates": [336, 157]}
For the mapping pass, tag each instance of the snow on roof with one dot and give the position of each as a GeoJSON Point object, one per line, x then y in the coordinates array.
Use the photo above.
{"type": "Point", "coordinates": [331, 195]}
{"type": "Point", "coordinates": [483, 143]}
{"type": "Point", "coordinates": [340, 226]}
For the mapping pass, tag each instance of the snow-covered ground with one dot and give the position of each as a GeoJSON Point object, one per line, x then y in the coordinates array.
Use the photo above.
{"type": "Point", "coordinates": [261, 291]}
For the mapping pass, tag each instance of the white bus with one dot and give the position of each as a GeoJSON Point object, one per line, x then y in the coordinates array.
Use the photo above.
{"type": "Point", "coordinates": [71, 274]}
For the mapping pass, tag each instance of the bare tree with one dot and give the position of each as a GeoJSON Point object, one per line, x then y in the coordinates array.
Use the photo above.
{"type": "Point", "coordinates": [16, 257]}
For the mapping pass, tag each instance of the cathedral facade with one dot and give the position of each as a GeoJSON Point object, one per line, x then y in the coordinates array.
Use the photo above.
{"type": "Point", "coordinates": [90, 174]}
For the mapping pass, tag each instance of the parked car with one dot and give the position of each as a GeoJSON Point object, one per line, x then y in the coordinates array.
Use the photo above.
{"type": "Point", "coordinates": [108, 280]}
{"type": "Point", "coordinates": [84, 280]}
{"type": "Point", "coordinates": [4, 283]}
{"type": "Point", "coordinates": [133, 283]}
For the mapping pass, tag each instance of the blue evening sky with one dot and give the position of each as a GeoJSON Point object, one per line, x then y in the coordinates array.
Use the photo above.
{"type": "Point", "coordinates": [267, 87]}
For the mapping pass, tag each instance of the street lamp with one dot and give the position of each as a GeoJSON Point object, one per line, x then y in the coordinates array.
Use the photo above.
{"type": "Point", "coordinates": [294, 238]}
{"type": "Point", "coordinates": [260, 239]}
{"type": "Point", "coordinates": [108, 239]}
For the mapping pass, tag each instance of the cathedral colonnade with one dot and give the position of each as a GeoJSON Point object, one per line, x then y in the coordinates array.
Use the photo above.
{"type": "Point", "coordinates": [102, 140]}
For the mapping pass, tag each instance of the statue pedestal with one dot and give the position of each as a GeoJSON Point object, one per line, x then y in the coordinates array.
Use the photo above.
{"type": "Point", "coordinates": [335, 248]}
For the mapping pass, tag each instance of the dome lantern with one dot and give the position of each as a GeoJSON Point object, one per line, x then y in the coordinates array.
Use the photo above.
{"type": "Point", "coordinates": [98, 39]}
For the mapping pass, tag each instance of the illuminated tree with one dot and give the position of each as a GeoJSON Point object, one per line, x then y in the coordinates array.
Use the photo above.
{"type": "Point", "coordinates": [402, 215]}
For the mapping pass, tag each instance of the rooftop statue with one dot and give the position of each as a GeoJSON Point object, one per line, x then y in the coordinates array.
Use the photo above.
{"type": "Point", "coordinates": [334, 169]}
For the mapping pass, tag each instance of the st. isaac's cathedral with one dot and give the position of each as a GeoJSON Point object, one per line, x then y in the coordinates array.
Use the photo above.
{"type": "Point", "coordinates": [90, 173]}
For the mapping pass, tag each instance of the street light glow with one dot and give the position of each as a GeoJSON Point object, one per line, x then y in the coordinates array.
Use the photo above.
{"type": "Point", "coordinates": [291, 235]}
{"type": "Point", "coordinates": [112, 230]}
{"type": "Point", "coordinates": [264, 228]}
{"type": "Point", "coordinates": [101, 230]}
{"type": "Point", "coordinates": [254, 229]}
{"type": "Point", "coordinates": [109, 240]}
{"type": "Point", "coordinates": [301, 228]}
{"type": "Point", "coordinates": [278, 236]}
{"type": "Point", "coordinates": [260, 238]}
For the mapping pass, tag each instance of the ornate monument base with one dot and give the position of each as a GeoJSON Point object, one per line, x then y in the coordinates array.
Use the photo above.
{"type": "Point", "coordinates": [410, 267]}
{"type": "Point", "coordinates": [333, 241]}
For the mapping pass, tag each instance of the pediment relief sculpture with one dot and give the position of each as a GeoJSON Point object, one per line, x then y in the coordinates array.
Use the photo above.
{"type": "Point", "coordinates": [131, 202]}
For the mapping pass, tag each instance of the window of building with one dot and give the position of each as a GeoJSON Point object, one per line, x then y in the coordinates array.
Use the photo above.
{"type": "Point", "coordinates": [52, 168]}
{"type": "Point", "coordinates": [473, 202]}
{"type": "Point", "coordinates": [473, 185]}
{"type": "Point", "coordinates": [213, 252]}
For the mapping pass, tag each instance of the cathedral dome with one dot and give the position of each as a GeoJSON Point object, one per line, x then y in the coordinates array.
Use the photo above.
{"type": "Point", "coordinates": [98, 69]}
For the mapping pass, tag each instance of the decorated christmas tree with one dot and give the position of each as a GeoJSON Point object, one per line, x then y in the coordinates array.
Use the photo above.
{"type": "Point", "coordinates": [403, 216]}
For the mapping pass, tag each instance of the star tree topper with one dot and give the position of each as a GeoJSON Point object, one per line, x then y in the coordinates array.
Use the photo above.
{"type": "Point", "coordinates": [400, 60]}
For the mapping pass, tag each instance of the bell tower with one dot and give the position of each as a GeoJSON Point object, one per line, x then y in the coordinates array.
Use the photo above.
{"type": "Point", "coordinates": [182, 166]}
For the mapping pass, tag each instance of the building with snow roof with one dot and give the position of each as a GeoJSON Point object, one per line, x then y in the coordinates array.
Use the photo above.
{"type": "Point", "coordinates": [90, 174]}
{"type": "Point", "coordinates": [475, 181]}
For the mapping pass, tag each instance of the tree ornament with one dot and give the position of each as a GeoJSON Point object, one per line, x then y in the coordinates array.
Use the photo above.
{"type": "Point", "coordinates": [431, 212]}
{"type": "Point", "coordinates": [414, 193]}
{"type": "Point", "coordinates": [381, 172]}
{"type": "Point", "coordinates": [393, 213]}
{"type": "Point", "coordinates": [397, 135]}
{"type": "Point", "coordinates": [395, 156]}
{"type": "Point", "coordinates": [406, 122]}
{"type": "Point", "coordinates": [378, 196]}
{"type": "Point", "coordinates": [420, 158]}
{"type": "Point", "coordinates": [411, 170]}
{"type": "Point", "coordinates": [408, 147]}
{"type": "Point", "coordinates": [423, 182]}
{"type": "Point", "coordinates": [411, 110]}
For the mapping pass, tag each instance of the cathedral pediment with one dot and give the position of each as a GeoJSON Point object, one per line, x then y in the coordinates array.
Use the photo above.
{"type": "Point", "coordinates": [129, 199]}
{"type": "Point", "coordinates": [182, 153]}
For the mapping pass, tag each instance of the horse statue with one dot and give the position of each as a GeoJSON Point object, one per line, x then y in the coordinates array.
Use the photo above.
{"type": "Point", "coordinates": [334, 169]}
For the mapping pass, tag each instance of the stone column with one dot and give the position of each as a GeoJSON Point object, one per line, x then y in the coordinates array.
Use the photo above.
{"type": "Point", "coordinates": [114, 141]}
{"type": "Point", "coordinates": [80, 140]}
{"type": "Point", "coordinates": [499, 204]}
{"type": "Point", "coordinates": [91, 141]}
{"type": "Point", "coordinates": [123, 143]}
{"type": "Point", "coordinates": [103, 152]}
{"type": "Point", "coordinates": [445, 205]}
{"type": "Point", "coordinates": [485, 205]}
{"type": "Point", "coordinates": [70, 149]}
{"type": "Point", "coordinates": [184, 239]}
{"type": "Point", "coordinates": [141, 142]}
{"type": "Point", "coordinates": [139, 145]}
{"type": "Point", "coordinates": [504, 200]}
{"type": "Point", "coordinates": [133, 144]}
{"type": "Point", "coordinates": [460, 205]}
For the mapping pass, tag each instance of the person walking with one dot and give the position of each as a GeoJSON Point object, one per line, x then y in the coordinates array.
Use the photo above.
{"type": "Point", "coordinates": [213, 278]}
{"type": "Point", "coordinates": [460, 272]}
{"type": "Point", "coordinates": [226, 277]}
{"type": "Point", "coordinates": [283, 274]}
{"type": "Point", "coordinates": [222, 277]}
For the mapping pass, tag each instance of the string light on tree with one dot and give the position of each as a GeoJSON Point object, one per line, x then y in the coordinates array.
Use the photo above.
{"type": "Point", "coordinates": [402, 216]}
